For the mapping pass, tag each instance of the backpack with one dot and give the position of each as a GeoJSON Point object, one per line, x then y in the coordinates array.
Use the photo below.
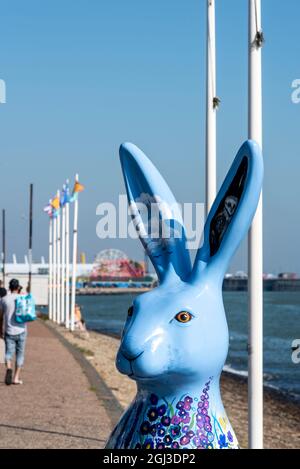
{"type": "Point", "coordinates": [25, 309]}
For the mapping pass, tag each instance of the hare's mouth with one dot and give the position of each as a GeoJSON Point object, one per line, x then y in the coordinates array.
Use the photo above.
{"type": "Point", "coordinates": [129, 365]}
{"type": "Point", "coordinates": [131, 358]}
{"type": "Point", "coordinates": [144, 378]}
{"type": "Point", "coordinates": [133, 374]}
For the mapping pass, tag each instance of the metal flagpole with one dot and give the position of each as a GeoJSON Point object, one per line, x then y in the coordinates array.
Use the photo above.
{"type": "Point", "coordinates": [255, 250]}
{"type": "Point", "coordinates": [63, 263]}
{"type": "Point", "coordinates": [58, 264]}
{"type": "Point", "coordinates": [211, 107]}
{"type": "Point", "coordinates": [3, 246]}
{"type": "Point", "coordinates": [54, 290]}
{"type": "Point", "coordinates": [67, 236]}
{"type": "Point", "coordinates": [30, 236]}
{"type": "Point", "coordinates": [74, 261]}
{"type": "Point", "coordinates": [50, 287]}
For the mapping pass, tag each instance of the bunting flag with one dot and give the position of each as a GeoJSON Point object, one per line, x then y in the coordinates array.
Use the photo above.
{"type": "Point", "coordinates": [48, 209]}
{"type": "Point", "coordinates": [55, 203]}
{"type": "Point", "coordinates": [55, 206]}
{"type": "Point", "coordinates": [52, 209]}
{"type": "Point", "coordinates": [64, 196]}
{"type": "Point", "coordinates": [55, 213]}
{"type": "Point", "coordinates": [76, 189]}
{"type": "Point", "coordinates": [67, 192]}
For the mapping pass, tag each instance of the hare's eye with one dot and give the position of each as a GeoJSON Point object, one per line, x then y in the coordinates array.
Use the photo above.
{"type": "Point", "coordinates": [183, 316]}
{"type": "Point", "coordinates": [130, 311]}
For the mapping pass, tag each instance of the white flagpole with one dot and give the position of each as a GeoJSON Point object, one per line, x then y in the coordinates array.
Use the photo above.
{"type": "Point", "coordinates": [63, 263]}
{"type": "Point", "coordinates": [74, 266]}
{"type": "Point", "coordinates": [58, 264]}
{"type": "Point", "coordinates": [211, 108]}
{"type": "Point", "coordinates": [67, 236]}
{"type": "Point", "coordinates": [50, 286]}
{"type": "Point", "coordinates": [255, 251]}
{"type": "Point", "coordinates": [54, 296]}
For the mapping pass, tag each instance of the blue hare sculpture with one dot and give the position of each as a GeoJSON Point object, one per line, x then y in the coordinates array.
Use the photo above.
{"type": "Point", "coordinates": [175, 340]}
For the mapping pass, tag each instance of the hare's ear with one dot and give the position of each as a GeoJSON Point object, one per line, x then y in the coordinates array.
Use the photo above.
{"type": "Point", "coordinates": [232, 212]}
{"type": "Point", "coordinates": [155, 213]}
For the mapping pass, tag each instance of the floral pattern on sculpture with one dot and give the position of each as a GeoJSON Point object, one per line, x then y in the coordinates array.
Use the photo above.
{"type": "Point", "coordinates": [187, 423]}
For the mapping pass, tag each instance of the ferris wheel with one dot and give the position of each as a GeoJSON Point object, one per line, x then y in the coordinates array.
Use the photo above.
{"type": "Point", "coordinates": [110, 255]}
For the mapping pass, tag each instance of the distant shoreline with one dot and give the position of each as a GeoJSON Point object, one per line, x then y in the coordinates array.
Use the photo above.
{"type": "Point", "coordinates": [229, 284]}
{"type": "Point", "coordinates": [110, 291]}
{"type": "Point", "coordinates": [269, 284]}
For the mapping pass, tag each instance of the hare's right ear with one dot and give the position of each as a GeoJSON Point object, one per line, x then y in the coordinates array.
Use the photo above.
{"type": "Point", "coordinates": [155, 213]}
{"type": "Point", "coordinates": [232, 212]}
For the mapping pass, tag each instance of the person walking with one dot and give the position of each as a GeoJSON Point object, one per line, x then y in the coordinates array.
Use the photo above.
{"type": "Point", "coordinates": [14, 334]}
{"type": "Point", "coordinates": [3, 293]}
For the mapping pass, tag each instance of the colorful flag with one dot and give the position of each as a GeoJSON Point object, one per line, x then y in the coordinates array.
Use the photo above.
{"type": "Point", "coordinates": [78, 187]}
{"type": "Point", "coordinates": [67, 192]}
{"type": "Point", "coordinates": [55, 203]}
{"type": "Point", "coordinates": [48, 209]}
{"type": "Point", "coordinates": [63, 197]}
{"type": "Point", "coordinates": [54, 213]}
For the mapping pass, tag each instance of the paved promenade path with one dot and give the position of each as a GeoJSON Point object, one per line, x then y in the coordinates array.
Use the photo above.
{"type": "Point", "coordinates": [57, 406]}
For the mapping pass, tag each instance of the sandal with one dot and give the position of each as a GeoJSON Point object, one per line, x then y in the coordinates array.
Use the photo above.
{"type": "Point", "coordinates": [17, 382]}
{"type": "Point", "coordinates": [8, 377]}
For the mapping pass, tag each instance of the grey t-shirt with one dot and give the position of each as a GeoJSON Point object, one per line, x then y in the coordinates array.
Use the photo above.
{"type": "Point", "coordinates": [8, 306]}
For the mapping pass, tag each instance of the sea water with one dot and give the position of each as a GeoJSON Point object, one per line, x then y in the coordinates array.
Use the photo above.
{"type": "Point", "coordinates": [107, 313]}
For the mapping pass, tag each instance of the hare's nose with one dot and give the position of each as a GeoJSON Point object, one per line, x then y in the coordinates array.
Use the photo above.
{"type": "Point", "coordinates": [130, 348]}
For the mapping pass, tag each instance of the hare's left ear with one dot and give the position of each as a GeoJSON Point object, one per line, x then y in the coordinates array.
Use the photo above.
{"type": "Point", "coordinates": [156, 215]}
{"type": "Point", "coordinates": [232, 212]}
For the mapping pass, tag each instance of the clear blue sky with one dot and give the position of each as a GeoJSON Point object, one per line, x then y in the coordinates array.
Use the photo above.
{"type": "Point", "coordinates": [84, 75]}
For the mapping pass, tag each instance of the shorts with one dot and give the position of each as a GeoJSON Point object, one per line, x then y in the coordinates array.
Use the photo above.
{"type": "Point", "coordinates": [15, 345]}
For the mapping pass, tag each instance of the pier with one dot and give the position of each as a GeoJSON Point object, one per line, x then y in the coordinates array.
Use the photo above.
{"type": "Point", "coordinates": [274, 284]}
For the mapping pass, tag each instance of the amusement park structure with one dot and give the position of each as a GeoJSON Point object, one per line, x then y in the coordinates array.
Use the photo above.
{"type": "Point", "coordinates": [113, 264]}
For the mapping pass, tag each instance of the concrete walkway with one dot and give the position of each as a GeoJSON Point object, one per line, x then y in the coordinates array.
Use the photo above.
{"type": "Point", "coordinates": [56, 407]}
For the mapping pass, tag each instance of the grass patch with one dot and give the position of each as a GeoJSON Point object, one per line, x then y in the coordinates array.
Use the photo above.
{"type": "Point", "coordinates": [43, 317]}
{"type": "Point", "coordinates": [85, 351]}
